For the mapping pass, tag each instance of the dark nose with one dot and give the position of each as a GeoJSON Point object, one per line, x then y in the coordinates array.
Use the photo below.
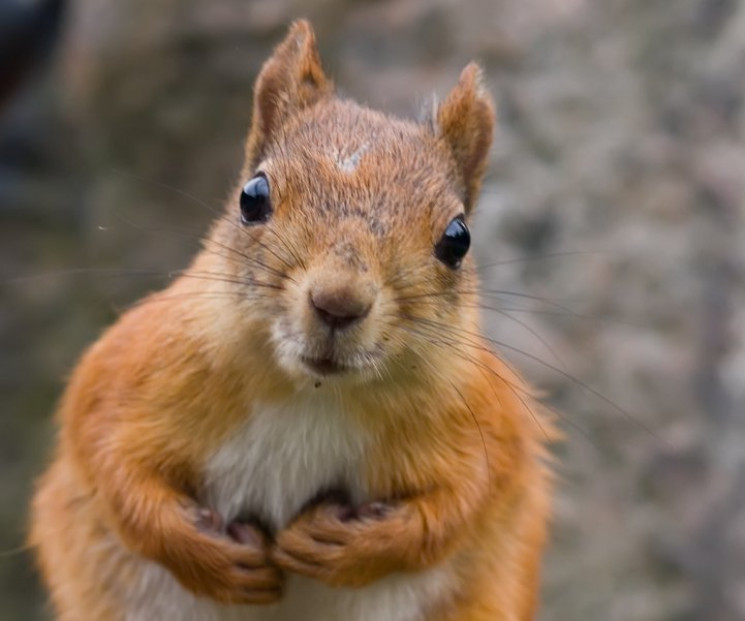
{"type": "Point", "coordinates": [339, 308]}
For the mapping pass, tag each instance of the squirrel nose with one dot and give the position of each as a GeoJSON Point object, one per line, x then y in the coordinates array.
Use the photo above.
{"type": "Point", "coordinates": [339, 308]}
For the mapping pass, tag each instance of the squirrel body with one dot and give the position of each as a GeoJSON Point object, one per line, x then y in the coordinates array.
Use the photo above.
{"type": "Point", "coordinates": [306, 424]}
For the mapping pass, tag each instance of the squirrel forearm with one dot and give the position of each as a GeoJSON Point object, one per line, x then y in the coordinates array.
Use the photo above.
{"type": "Point", "coordinates": [138, 500]}
{"type": "Point", "coordinates": [442, 518]}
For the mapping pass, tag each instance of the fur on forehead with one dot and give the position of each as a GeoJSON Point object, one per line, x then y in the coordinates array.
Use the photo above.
{"type": "Point", "coordinates": [355, 139]}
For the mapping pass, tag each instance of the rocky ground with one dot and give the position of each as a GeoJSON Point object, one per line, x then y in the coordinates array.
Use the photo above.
{"type": "Point", "coordinates": [612, 214]}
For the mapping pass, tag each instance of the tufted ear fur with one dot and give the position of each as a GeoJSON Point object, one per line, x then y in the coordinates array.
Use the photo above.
{"type": "Point", "coordinates": [465, 121]}
{"type": "Point", "coordinates": [292, 79]}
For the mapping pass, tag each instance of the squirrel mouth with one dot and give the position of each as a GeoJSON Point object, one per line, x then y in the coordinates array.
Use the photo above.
{"type": "Point", "coordinates": [324, 366]}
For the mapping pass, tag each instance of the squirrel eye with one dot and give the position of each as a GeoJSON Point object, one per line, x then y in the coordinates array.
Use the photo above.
{"type": "Point", "coordinates": [454, 243]}
{"type": "Point", "coordinates": [255, 204]}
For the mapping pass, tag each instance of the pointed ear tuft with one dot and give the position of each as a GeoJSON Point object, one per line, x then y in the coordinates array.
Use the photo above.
{"type": "Point", "coordinates": [291, 80]}
{"type": "Point", "coordinates": [465, 121]}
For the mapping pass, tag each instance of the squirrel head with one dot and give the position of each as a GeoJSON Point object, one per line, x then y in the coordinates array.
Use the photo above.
{"type": "Point", "coordinates": [347, 239]}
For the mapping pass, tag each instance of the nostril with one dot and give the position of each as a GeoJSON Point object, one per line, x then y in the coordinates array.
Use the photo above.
{"type": "Point", "coordinates": [339, 309]}
{"type": "Point", "coordinates": [336, 321]}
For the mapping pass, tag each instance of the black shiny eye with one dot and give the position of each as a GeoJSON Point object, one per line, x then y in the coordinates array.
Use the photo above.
{"type": "Point", "coordinates": [256, 206]}
{"type": "Point", "coordinates": [454, 243]}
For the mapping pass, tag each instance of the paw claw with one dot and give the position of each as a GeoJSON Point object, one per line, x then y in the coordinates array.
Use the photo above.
{"type": "Point", "coordinates": [344, 513]}
{"type": "Point", "coordinates": [374, 510]}
{"type": "Point", "coordinates": [208, 520]}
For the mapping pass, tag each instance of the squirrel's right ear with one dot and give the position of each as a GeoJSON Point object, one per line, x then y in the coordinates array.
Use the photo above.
{"type": "Point", "coordinates": [292, 79]}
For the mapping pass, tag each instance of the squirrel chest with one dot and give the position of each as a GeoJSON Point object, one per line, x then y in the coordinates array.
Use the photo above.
{"type": "Point", "coordinates": [269, 468]}
{"type": "Point", "coordinates": [282, 457]}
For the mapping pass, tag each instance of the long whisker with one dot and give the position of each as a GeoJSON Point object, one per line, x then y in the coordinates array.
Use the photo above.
{"type": "Point", "coordinates": [456, 348]}
{"type": "Point", "coordinates": [556, 313]}
{"type": "Point", "coordinates": [494, 293]}
{"type": "Point", "coordinates": [596, 393]}
{"type": "Point", "coordinates": [209, 295]}
{"type": "Point", "coordinates": [538, 257]}
{"type": "Point", "coordinates": [74, 271]}
{"type": "Point", "coordinates": [453, 345]}
{"type": "Point", "coordinates": [432, 298]}
{"type": "Point", "coordinates": [212, 210]}
{"type": "Point", "coordinates": [120, 272]}
{"type": "Point", "coordinates": [176, 234]}
{"type": "Point", "coordinates": [478, 427]}
{"type": "Point", "coordinates": [519, 322]}
{"type": "Point", "coordinates": [214, 277]}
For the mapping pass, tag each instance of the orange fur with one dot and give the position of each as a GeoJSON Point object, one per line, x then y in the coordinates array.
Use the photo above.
{"type": "Point", "coordinates": [455, 469]}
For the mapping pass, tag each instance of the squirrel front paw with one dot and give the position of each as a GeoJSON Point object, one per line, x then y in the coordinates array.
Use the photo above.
{"type": "Point", "coordinates": [232, 567]}
{"type": "Point", "coordinates": [344, 545]}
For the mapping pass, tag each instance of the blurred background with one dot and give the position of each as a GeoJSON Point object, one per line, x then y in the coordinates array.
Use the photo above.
{"type": "Point", "coordinates": [610, 235]}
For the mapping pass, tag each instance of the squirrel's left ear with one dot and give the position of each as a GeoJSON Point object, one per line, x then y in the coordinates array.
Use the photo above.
{"type": "Point", "coordinates": [292, 79]}
{"type": "Point", "coordinates": [465, 121]}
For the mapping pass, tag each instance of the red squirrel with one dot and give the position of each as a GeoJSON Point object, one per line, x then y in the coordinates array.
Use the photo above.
{"type": "Point", "coordinates": [307, 425]}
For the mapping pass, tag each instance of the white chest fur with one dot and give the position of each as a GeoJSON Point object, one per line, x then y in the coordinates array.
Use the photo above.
{"type": "Point", "coordinates": [282, 458]}
{"type": "Point", "coordinates": [272, 466]}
